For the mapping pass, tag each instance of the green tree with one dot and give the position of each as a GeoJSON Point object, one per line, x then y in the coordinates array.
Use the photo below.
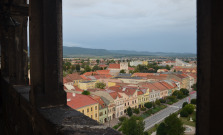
{"type": "Point", "coordinates": [171, 126]}
{"type": "Point", "coordinates": [78, 67]}
{"type": "Point", "coordinates": [184, 91]}
{"type": "Point", "coordinates": [133, 126]}
{"type": "Point", "coordinates": [189, 108]}
{"type": "Point", "coordinates": [129, 111]}
{"type": "Point", "coordinates": [184, 104]}
{"type": "Point", "coordinates": [193, 101]}
{"type": "Point", "coordinates": [122, 71]}
{"type": "Point", "coordinates": [178, 94]}
{"type": "Point", "coordinates": [194, 86]}
{"type": "Point", "coordinates": [98, 61]}
{"type": "Point", "coordinates": [100, 85]}
{"type": "Point", "coordinates": [87, 68]}
{"type": "Point", "coordinates": [162, 100]}
{"type": "Point", "coordinates": [183, 113]}
{"type": "Point", "coordinates": [161, 130]}
{"type": "Point", "coordinates": [96, 68]}
{"type": "Point", "coordinates": [167, 67]}
{"type": "Point", "coordinates": [86, 92]}
{"type": "Point", "coordinates": [171, 98]}
{"type": "Point", "coordinates": [136, 110]}
{"type": "Point", "coordinates": [157, 102]}
{"type": "Point", "coordinates": [148, 105]}
{"type": "Point", "coordinates": [73, 68]}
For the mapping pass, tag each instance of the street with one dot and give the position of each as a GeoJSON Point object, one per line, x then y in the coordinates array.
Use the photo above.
{"type": "Point", "coordinates": [158, 117]}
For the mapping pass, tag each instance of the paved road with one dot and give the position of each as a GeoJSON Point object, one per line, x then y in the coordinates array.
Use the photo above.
{"type": "Point", "coordinates": [158, 117]}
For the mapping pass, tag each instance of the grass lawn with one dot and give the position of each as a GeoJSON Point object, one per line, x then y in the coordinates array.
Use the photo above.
{"type": "Point", "coordinates": [152, 111]}
{"type": "Point", "coordinates": [186, 121]}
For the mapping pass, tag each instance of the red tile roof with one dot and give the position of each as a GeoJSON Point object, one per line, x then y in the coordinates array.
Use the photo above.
{"type": "Point", "coordinates": [130, 68]}
{"type": "Point", "coordinates": [159, 86]}
{"type": "Point", "coordinates": [84, 77]}
{"type": "Point", "coordinates": [79, 100]}
{"type": "Point", "coordinates": [142, 74]}
{"type": "Point", "coordinates": [140, 93]}
{"type": "Point", "coordinates": [116, 66]}
{"type": "Point", "coordinates": [78, 89]}
{"type": "Point", "coordinates": [103, 72]}
{"type": "Point", "coordinates": [74, 76]}
{"type": "Point", "coordinates": [103, 66]}
{"type": "Point", "coordinates": [114, 95]}
{"type": "Point", "coordinates": [168, 86]}
{"type": "Point", "coordinates": [129, 91]}
{"type": "Point", "coordinates": [99, 100]}
{"type": "Point", "coordinates": [90, 73]}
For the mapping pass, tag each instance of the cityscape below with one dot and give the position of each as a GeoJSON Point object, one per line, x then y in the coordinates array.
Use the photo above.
{"type": "Point", "coordinates": [117, 91]}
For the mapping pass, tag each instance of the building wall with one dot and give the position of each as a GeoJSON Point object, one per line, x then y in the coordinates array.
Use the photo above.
{"type": "Point", "coordinates": [91, 111]}
{"type": "Point", "coordinates": [103, 115]}
{"type": "Point", "coordinates": [85, 86]}
{"type": "Point", "coordinates": [119, 108]}
{"type": "Point", "coordinates": [124, 65]}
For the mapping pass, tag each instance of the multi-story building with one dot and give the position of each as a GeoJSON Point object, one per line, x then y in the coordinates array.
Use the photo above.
{"type": "Point", "coordinates": [141, 98]}
{"type": "Point", "coordinates": [84, 104]}
{"type": "Point", "coordinates": [109, 101]}
{"type": "Point", "coordinates": [130, 97]}
{"type": "Point", "coordinates": [103, 109]}
{"type": "Point", "coordinates": [119, 104]}
{"type": "Point", "coordinates": [86, 85]}
{"type": "Point", "coordinates": [183, 79]}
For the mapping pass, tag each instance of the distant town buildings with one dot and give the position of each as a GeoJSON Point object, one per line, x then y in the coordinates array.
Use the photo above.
{"type": "Point", "coordinates": [123, 90]}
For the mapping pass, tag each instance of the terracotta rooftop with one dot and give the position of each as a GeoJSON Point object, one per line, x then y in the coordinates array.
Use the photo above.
{"type": "Point", "coordinates": [114, 95]}
{"type": "Point", "coordinates": [103, 72]}
{"type": "Point", "coordinates": [116, 66]}
{"type": "Point", "coordinates": [99, 100]}
{"type": "Point", "coordinates": [79, 100]}
{"type": "Point", "coordinates": [130, 68]}
{"type": "Point", "coordinates": [142, 74]}
{"type": "Point", "coordinates": [140, 92]}
{"type": "Point", "coordinates": [90, 73]}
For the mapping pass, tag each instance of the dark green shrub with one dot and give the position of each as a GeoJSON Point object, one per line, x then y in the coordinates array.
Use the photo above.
{"type": "Point", "coordinates": [136, 111]}
{"type": "Point", "coordinates": [193, 101]}
{"type": "Point", "coordinates": [122, 118]}
{"type": "Point", "coordinates": [185, 103]}
{"type": "Point", "coordinates": [184, 113]}
{"type": "Point", "coordinates": [143, 109]}
{"type": "Point", "coordinates": [162, 100]}
{"type": "Point", "coordinates": [148, 105]}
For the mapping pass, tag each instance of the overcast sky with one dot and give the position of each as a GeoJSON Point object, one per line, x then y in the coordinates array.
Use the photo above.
{"type": "Point", "coordinates": [141, 25]}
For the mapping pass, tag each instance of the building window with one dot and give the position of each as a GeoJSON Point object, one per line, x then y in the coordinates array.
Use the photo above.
{"type": "Point", "coordinates": [88, 110]}
{"type": "Point", "coordinates": [95, 107]}
{"type": "Point", "coordinates": [105, 112]}
{"type": "Point", "coordinates": [91, 109]}
{"type": "Point", "coordinates": [82, 111]}
{"type": "Point", "coordinates": [96, 115]}
{"type": "Point", "coordinates": [91, 116]}
{"type": "Point", "coordinates": [125, 104]}
{"type": "Point", "coordinates": [135, 101]}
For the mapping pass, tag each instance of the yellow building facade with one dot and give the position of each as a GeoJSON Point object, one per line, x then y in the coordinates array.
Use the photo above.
{"type": "Point", "coordinates": [92, 111]}
{"type": "Point", "coordinates": [86, 85]}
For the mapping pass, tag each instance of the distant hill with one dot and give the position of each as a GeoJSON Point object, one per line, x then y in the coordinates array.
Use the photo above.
{"type": "Point", "coordinates": [78, 51]}
{"type": "Point", "coordinates": [69, 51]}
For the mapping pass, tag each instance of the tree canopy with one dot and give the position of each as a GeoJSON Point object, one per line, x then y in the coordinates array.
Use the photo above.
{"type": "Point", "coordinates": [86, 92]}
{"type": "Point", "coordinates": [171, 126]}
{"type": "Point", "coordinates": [100, 85]}
{"type": "Point", "coordinates": [129, 111]}
{"type": "Point", "coordinates": [133, 126]}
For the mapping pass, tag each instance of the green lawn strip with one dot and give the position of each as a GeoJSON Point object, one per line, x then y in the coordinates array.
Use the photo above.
{"type": "Point", "coordinates": [117, 126]}
{"type": "Point", "coordinates": [152, 111]}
